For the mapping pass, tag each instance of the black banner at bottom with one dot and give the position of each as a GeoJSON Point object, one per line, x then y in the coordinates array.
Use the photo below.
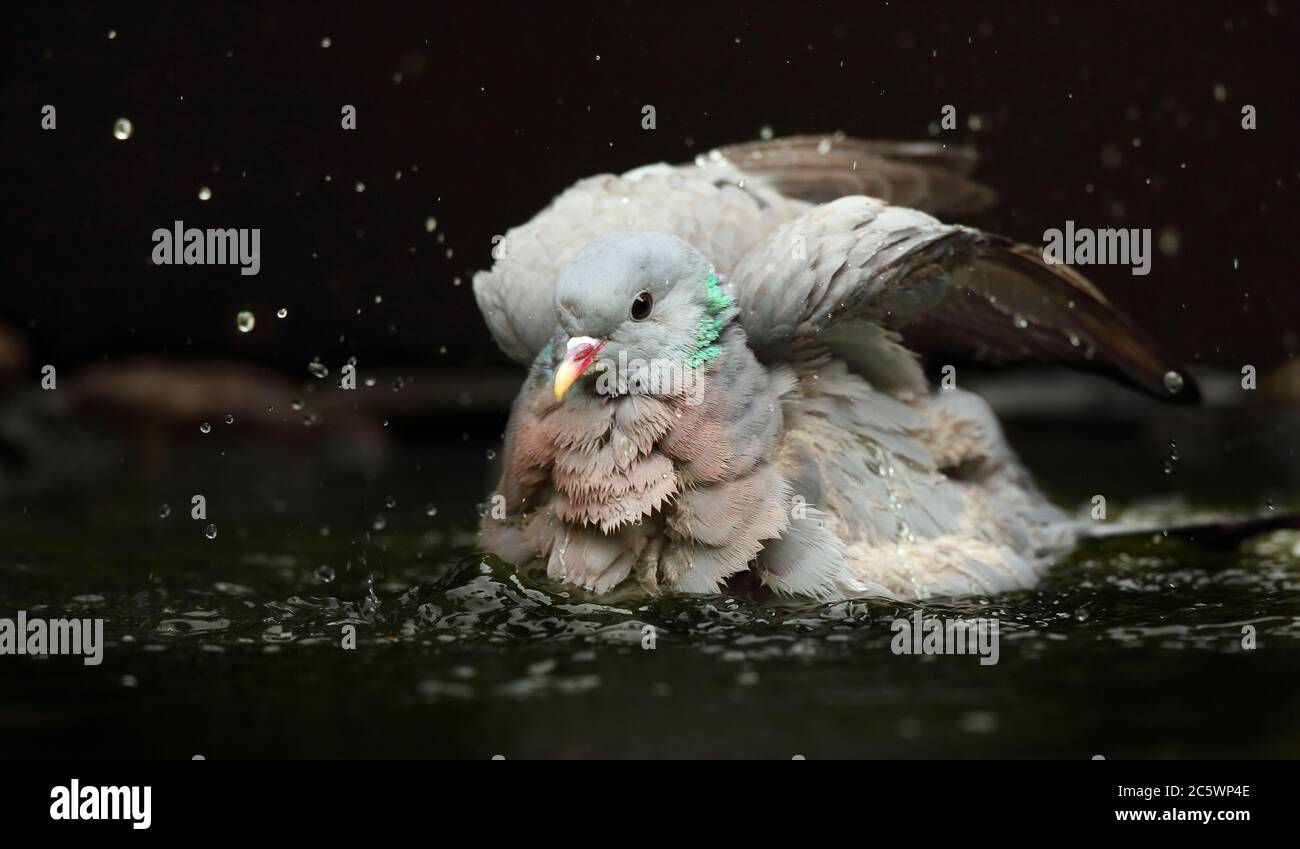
{"type": "Point", "coordinates": [333, 798]}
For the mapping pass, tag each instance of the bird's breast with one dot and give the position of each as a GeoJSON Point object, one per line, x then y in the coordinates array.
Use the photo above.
{"type": "Point", "coordinates": [607, 468]}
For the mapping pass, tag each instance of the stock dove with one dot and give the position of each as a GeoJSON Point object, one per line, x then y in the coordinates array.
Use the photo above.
{"type": "Point", "coordinates": [724, 387]}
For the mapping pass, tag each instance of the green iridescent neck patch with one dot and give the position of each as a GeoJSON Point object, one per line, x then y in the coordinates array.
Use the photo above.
{"type": "Point", "coordinates": [717, 302]}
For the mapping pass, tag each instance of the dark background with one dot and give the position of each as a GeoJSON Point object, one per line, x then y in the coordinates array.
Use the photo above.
{"type": "Point", "coordinates": [499, 107]}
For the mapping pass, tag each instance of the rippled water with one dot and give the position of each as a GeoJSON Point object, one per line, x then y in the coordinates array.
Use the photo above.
{"type": "Point", "coordinates": [232, 646]}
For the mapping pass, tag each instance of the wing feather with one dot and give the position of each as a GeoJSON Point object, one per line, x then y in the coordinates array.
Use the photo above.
{"type": "Point", "coordinates": [723, 204]}
{"type": "Point", "coordinates": [927, 176]}
{"type": "Point", "coordinates": [949, 290]}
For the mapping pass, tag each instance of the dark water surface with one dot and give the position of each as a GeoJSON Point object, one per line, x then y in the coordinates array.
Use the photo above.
{"type": "Point", "coordinates": [231, 647]}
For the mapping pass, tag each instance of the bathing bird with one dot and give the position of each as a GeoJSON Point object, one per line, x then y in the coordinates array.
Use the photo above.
{"type": "Point", "coordinates": [729, 381]}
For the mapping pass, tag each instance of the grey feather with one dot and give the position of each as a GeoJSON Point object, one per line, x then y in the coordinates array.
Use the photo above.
{"type": "Point", "coordinates": [766, 409]}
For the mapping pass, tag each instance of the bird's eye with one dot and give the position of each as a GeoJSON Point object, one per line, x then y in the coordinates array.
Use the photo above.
{"type": "Point", "coordinates": [641, 306]}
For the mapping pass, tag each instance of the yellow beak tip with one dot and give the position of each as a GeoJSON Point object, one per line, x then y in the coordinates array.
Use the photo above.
{"type": "Point", "coordinates": [565, 376]}
{"type": "Point", "coordinates": [575, 363]}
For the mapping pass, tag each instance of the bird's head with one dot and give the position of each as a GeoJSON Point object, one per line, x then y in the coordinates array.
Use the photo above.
{"type": "Point", "coordinates": [638, 301]}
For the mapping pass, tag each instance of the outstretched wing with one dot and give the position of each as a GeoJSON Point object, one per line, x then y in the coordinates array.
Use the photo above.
{"type": "Point", "coordinates": [922, 175]}
{"type": "Point", "coordinates": [724, 204]}
{"type": "Point", "coordinates": [949, 290]}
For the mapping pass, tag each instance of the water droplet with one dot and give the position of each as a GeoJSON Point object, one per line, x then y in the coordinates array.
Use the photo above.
{"type": "Point", "coordinates": [205, 193]}
{"type": "Point", "coordinates": [361, 187]}
{"type": "Point", "coordinates": [245, 321]}
{"type": "Point", "coordinates": [398, 383]}
{"type": "Point", "coordinates": [318, 369]}
{"type": "Point", "coordinates": [164, 511]}
{"type": "Point", "coordinates": [122, 129]}
{"type": "Point", "coordinates": [765, 133]}
{"type": "Point", "coordinates": [1170, 241]}
{"type": "Point", "coordinates": [1173, 382]}
{"type": "Point", "coordinates": [430, 224]}
{"type": "Point", "coordinates": [230, 419]}
{"type": "Point", "coordinates": [491, 455]}
{"type": "Point", "coordinates": [1021, 322]}
{"type": "Point", "coordinates": [381, 522]}
{"type": "Point", "coordinates": [325, 42]}
{"type": "Point", "coordinates": [205, 428]}
{"type": "Point", "coordinates": [211, 532]}
{"type": "Point", "coordinates": [326, 574]}
{"type": "Point", "coordinates": [390, 502]}
{"type": "Point", "coordinates": [281, 312]}
{"type": "Point", "coordinates": [430, 510]}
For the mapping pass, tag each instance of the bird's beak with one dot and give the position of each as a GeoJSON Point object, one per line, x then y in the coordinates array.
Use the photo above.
{"type": "Point", "coordinates": [578, 354]}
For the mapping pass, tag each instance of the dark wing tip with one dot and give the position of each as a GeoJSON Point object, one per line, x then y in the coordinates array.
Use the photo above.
{"type": "Point", "coordinates": [1124, 350]}
{"type": "Point", "coordinates": [1007, 304]}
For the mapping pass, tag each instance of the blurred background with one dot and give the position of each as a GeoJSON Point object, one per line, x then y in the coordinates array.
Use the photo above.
{"type": "Point", "coordinates": [475, 115]}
